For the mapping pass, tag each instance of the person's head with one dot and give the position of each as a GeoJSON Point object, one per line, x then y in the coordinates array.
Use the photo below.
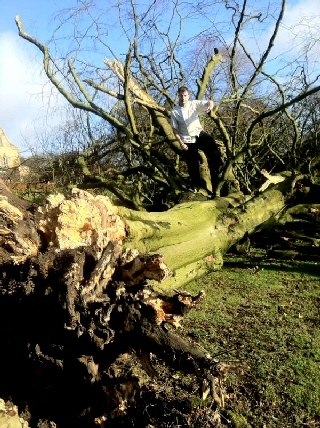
{"type": "Point", "coordinates": [184, 95]}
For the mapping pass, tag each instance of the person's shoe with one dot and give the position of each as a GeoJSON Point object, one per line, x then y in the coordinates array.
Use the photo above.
{"type": "Point", "coordinates": [193, 189]}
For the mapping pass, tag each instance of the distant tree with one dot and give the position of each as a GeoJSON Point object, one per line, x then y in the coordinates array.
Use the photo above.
{"type": "Point", "coordinates": [254, 118]}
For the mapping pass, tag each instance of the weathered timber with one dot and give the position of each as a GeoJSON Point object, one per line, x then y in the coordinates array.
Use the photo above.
{"type": "Point", "coordinates": [79, 291]}
{"type": "Point", "coordinates": [73, 301]}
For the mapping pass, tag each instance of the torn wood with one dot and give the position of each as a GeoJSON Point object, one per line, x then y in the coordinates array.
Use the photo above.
{"type": "Point", "coordinates": [87, 301]}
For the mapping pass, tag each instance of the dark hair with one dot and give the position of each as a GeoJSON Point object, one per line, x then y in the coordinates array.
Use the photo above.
{"type": "Point", "coordinates": [183, 89]}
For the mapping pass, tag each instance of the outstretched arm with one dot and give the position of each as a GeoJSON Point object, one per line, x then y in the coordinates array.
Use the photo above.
{"type": "Point", "coordinates": [178, 137]}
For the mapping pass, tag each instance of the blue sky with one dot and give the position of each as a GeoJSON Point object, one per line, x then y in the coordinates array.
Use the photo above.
{"type": "Point", "coordinates": [22, 107]}
{"type": "Point", "coordinates": [24, 91]}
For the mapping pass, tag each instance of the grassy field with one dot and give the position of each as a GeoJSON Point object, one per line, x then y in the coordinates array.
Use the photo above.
{"type": "Point", "coordinates": [263, 317]}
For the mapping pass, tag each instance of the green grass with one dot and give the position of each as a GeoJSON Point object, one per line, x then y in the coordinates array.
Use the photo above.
{"type": "Point", "coordinates": [263, 317]}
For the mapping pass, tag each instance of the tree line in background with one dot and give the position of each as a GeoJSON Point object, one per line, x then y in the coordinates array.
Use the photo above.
{"type": "Point", "coordinates": [118, 138]}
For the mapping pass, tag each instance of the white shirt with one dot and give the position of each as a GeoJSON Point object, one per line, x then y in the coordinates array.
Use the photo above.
{"type": "Point", "coordinates": [186, 119]}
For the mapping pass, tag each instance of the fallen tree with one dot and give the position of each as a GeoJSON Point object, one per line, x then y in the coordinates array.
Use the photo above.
{"type": "Point", "coordinates": [79, 292]}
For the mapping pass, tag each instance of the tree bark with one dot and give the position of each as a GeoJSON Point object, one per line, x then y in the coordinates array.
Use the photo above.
{"type": "Point", "coordinates": [78, 291]}
{"type": "Point", "coordinates": [193, 237]}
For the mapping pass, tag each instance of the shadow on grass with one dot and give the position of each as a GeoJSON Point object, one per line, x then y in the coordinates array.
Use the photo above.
{"type": "Point", "coordinates": [297, 266]}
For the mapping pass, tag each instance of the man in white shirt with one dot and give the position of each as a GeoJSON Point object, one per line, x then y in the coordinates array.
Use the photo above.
{"type": "Point", "coordinates": [189, 132]}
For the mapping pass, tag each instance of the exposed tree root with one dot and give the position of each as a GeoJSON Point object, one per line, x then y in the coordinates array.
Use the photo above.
{"type": "Point", "coordinates": [73, 304]}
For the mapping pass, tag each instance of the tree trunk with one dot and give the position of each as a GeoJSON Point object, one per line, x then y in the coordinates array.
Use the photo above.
{"type": "Point", "coordinates": [78, 293]}
{"type": "Point", "coordinates": [193, 237]}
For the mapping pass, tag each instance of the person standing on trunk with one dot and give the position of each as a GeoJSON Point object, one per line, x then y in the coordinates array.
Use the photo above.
{"type": "Point", "coordinates": [189, 132]}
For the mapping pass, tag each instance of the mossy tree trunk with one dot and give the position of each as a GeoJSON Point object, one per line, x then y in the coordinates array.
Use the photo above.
{"type": "Point", "coordinates": [78, 292]}
{"type": "Point", "coordinates": [193, 237]}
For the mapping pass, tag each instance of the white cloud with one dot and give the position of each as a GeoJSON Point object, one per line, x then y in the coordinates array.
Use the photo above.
{"type": "Point", "coordinates": [298, 36]}
{"type": "Point", "coordinates": [300, 23]}
{"type": "Point", "coordinates": [24, 90]}
{"type": "Point", "coordinates": [297, 40]}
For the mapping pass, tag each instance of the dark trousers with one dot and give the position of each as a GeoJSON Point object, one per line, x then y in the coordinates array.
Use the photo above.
{"type": "Point", "coordinates": [207, 144]}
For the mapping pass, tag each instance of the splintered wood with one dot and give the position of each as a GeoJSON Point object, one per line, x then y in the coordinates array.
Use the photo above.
{"type": "Point", "coordinates": [83, 220]}
{"type": "Point", "coordinates": [91, 222]}
{"type": "Point", "coordinates": [171, 310]}
{"type": "Point", "coordinates": [96, 297]}
{"type": "Point", "coordinates": [16, 245]}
